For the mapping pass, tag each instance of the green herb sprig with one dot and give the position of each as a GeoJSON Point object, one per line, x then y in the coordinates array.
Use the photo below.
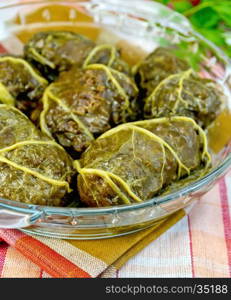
{"type": "Point", "coordinates": [212, 18]}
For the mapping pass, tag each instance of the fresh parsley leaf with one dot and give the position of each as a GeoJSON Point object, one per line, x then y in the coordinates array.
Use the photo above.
{"type": "Point", "coordinates": [224, 11]}
{"type": "Point", "coordinates": [182, 6]}
{"type": "Point", "coordinates": [212, 18]}
{"type": "Point", "coordinates": [205, 18]}
{"type": "Point", "coordinates": [163, 1]}
{"type": "Point", "coordinates": [214, 35]}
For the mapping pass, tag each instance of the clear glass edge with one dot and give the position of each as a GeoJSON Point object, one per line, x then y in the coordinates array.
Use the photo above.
{"type": "Point", "coordinates": [185, 191]}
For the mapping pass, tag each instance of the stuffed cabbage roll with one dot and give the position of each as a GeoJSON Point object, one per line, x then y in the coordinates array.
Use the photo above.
{"type": "Point", "coordinates": [137, 161]}
{"type": "Point", "coordinates": [33, 168]}
{"type": "Point", "coordinates": [53, 52]}
{"type": "Point", "coordinates": [20, 84]}
{"type": "Point", "coordinates": [185, 94]}
{"type": "Point", "coordinates": [157, 66]}
{"type": "Point", "coordinates": [84, 103]}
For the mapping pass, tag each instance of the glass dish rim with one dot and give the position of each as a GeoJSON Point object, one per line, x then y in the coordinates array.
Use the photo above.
{"type": "Point", "coordinates": [220, 170]}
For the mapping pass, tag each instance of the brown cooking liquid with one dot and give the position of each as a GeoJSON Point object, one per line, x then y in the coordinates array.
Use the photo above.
{"type": "Point", "coordinates": [219, 134]}
{"type": "Point", "coordinates": [82, 24]}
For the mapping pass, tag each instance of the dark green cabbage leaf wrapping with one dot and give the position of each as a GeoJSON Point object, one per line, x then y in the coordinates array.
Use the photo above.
{"type": "Point", "coordinates": [33, 168]}
{"type": "Point", "coordinates": [20, 83]}
{"type": "Point", "coordinates": [107, 55]}
{"type": "Point", "coordinates": [157, 66]}
{"type": "Point", "coordinates": [185, 94]}
{"type": "Point", "coordinates": [169, 88]}
{"type": "Point", "coordinates": [53, 52]}
{"type": "Point", "coordinates": [84, 103]}
{"type": "Point", "coordinates": [136, 161]}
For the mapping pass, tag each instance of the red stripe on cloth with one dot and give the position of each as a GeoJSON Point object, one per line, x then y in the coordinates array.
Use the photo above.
{"type": "Point", "coordinates": [3, 251]}
{"type": "Point", "coordinates": [47, 259]}
{"type": "Point", "coordinates": [11, 235]}
{"type": "Point", "coordinates": [191, 247]}
{"type": "Point", "coordinates": [226, 218]}
{"type": "Point", "coordinates": [2, 49]}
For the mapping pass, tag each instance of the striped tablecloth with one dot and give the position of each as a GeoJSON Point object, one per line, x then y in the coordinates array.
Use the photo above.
{"type": "Point", "coordinates": [199, 245]}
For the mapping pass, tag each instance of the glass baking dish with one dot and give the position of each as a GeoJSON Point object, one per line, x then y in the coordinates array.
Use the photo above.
{"type": "Point", "coordinates": [137, 27]}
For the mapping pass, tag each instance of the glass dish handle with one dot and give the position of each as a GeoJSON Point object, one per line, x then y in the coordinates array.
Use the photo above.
{"type": "Point", "coordinates": [12, 218]}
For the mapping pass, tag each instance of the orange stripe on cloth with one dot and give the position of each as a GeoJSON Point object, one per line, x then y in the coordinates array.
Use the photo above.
{"type": "Point", "coordinates": [43, 256]}
{"type": "Point", "coordinates": [89, 263]}
{"type": "Point", "coordinates": [49, 260]}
